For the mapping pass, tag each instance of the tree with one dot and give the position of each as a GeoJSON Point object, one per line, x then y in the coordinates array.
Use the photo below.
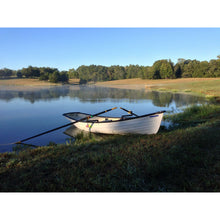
{"type": "Point", "coordinates": [64, 77]}
{"type": "Point", "coordinates": [54, 77]}
{"type": "Point", "coordinates": [19, 74]}
{"type": "Point", "coordinates": [177, 70]}
{"type": "Point", "coordinates": [146, 72]}
{"type": "Point", "coordinates": [132, 71]}
{"type": "Point", "coordinates": [201, 70]}
{"type": "Point", "coordinates": [44, 77]}
{"type": "Point", "coordinates": [163, 69]}
{"type": "Point", "coordinates": [181, 61]}
{"type": "Point", "coordinates": [156, 69]}
{"type": "Point", "coordinates": [73, 74]}
{"type": "Point", "coordinates": [166, 70]}
{"type": "Point", "coordinates": [30, 72]}
{"type": "Point", "coordinates": [214, 68]}
{"type": "Point", "coordinates": [117, 72]}
{"type": "Point", "coordinates": [84, 73]}
{"type": "Point", "coordinates": [5, 73]}
{"type": "Point", "coordinates": [45, 72]}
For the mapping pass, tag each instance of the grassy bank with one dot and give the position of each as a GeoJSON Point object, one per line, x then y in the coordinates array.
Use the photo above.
{"type": "Point", "coordinates": [25, 83]}
{"type": "Point", "coordinates": [183, 158]}
{"type": "Point", "coordinates": [208, 87]}
{"type": "Point", "coordinates": [30, 82]}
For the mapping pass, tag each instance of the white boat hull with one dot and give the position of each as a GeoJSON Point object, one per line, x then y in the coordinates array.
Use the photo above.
{"type": "Point", "coordinates": [146, 124]}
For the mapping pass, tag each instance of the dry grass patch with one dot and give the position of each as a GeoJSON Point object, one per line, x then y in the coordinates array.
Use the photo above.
{"type": "Point", "coordinates": [204, 86]}
{"type": "Point", "coordinates": [25, 82]}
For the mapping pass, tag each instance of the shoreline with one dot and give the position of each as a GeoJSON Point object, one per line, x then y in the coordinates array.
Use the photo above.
{"type": "Point", "coordinates": [207, 87]}
{"type": "Point", "coordinates": [24, 84]}
{"type": "Point", "coordinates": [182, 158]}
{"type": "Point", "coordinates": [30, 84]}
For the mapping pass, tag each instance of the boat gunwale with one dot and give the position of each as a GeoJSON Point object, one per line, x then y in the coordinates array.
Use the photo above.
{"type": "Point", "coordinates": [120, 119]}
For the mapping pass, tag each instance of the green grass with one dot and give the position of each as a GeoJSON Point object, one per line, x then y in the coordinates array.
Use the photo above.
{"type": "Point", "coordinates": [187, 90]}
{"type": "Point", "coordinates": [207, 88]}
{"type": "Point", "coordinates": [183, 159]}
{"type": "Point", "coordinates": [195, 115]}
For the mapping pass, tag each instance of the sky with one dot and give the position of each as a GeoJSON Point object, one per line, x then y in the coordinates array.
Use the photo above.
{"type": "Point", "coordinates": [66, 48]}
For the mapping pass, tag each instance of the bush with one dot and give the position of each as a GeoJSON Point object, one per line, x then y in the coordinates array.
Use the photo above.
{"type": "Point", "coordinates": [54, 77]}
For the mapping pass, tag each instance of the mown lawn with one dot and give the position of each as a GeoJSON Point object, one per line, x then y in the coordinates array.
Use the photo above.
{"type": "Point", "coordinates": [185, 158]}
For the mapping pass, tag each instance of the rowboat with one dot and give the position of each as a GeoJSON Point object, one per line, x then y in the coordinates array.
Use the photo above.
{"type": "Point", "coordinates": [127, 124]}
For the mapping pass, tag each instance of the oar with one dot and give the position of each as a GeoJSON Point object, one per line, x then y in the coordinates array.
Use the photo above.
{"type": "Point", "coordinates": [82, 119]}
{"type": "Point", "coordinates": [129, 111]}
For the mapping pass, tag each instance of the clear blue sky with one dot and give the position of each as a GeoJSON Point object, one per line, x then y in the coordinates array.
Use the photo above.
{"type": "Point", "coordinates": [66, 48]}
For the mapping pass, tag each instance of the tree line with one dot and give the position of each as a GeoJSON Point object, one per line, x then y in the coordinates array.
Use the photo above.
{"type": "Point", "coordinates": [42, 73]}
{"type": "Point", "coordinates": [161, 69]}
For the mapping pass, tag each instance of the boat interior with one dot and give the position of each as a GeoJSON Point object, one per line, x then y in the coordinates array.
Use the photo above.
{"type": "Point", "coordinates": [78, 115]}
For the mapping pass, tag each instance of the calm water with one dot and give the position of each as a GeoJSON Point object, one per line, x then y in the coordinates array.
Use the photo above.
{"type": "Point", "coordinates": [27, 113]}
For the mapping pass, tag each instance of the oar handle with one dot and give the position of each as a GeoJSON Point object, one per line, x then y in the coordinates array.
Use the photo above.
{"type": "Point", "coordinates": [82, 119]}
{"type": "Point", "coordinates": [129, 111]}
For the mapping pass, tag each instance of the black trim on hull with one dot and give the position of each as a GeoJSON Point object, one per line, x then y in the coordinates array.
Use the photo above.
{"type": "Point", "coordinates": [126, 119]}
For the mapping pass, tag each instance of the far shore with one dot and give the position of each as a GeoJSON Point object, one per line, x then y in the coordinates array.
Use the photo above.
{"type": "Point", "coordinates": [29, 84]}
{"type": "Point", "coordinates": [200, 86]}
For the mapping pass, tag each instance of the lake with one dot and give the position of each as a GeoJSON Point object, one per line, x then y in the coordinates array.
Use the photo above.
{"type": "Point", "coordinates": [25, 113]}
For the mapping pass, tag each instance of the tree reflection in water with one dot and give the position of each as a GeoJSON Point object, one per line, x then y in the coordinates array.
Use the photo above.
{"type": "Point", "coordinates": [95, 94]}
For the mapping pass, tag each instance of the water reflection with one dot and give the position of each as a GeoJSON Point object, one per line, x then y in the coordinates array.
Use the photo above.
{"type": "Point", "coordinates": [94, 94]}
{"type": "Point", "coordinates": [73, 131]}
{"type": "Point", "coordinates": [25, 113]}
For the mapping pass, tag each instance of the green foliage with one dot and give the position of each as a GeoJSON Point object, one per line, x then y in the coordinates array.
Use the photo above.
{"type": "Point", "coordinates": [19, 74]}
{"type": "Point", "coordinates": [54, 77]}
{"type": "Point", "coordinates": [5, 73]}
{"type": "Point", "coordinates": [166, 71]}
{"type": "Point", "coordinates": [156, 69]}
{"type": "Point", "coordinates": [177, 71]}
{"type": "Point", "coordinates": [146, 72]}
{"type": "Point", "coordinates": [73, 74]}
{"type": "Point", "coordinates": [195, 115]}
{"type": "Point", "coordinates": [201, 69]}
{"type": "Point", "coordinates": [44, 76]}
{"type": "Point", "coordinates": [132, 71]}
{"type": "Point", "coordinates": [30, 72]}
{"type": "Point", "coordinates": [214, 68]}
{"type": "Point", "coordinates": [116, 72]}
{"type": "Point", "coordinates": [64, 77]}
{"type": "Point", "coordinates": [161, 69]}
{"type": "Point", "coordinates": [44, 73]}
